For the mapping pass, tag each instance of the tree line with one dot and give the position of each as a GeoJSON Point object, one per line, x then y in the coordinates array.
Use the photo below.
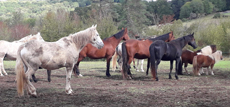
{"type": "Point", "coordinates": [113, 15]}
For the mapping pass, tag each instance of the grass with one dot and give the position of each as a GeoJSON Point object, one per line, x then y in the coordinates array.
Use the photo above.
{"type": "Point", "coordinates": [101, 65]}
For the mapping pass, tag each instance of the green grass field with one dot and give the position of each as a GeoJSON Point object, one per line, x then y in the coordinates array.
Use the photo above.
{"type": "Point", "coordinates": [101, 65]}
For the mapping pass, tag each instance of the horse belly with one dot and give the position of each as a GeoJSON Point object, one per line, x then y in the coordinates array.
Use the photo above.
{"type": "Point", "coordinates": [140, 56]}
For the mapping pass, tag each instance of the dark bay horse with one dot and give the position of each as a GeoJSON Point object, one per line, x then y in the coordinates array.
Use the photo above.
{"type": "Point", "coordinates": [161, 50]}
{"type": "Point", "coordinates": [139, 49]}
{"type": "Point", "coordinates": [187, 56]}
{"type": "Point", "coordinates": [200, 61]}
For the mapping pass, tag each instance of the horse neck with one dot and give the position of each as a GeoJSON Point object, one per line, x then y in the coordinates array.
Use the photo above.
{"type": "Point", "coordinates": [114, 41]}
{"type": "Point", "coordinates": [179, 42]}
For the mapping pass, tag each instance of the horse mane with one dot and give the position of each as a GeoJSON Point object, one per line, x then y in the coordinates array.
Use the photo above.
{"type": "Point", "coordinates": [162, 37]}
{"type": "Point", "coordinates": [216, 56]}
{"type": "Point", "coordinates": [80, 38]}
{"type": "Point", "coordinates": [117, 35]}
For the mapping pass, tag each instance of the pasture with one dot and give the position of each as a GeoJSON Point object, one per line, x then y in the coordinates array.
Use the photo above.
{"type": "Point", "coordinates": [95, 89]}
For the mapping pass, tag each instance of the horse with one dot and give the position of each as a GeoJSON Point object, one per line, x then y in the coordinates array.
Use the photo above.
{"type": "Point", "coordinates": [160, 50]}
{"type": "Point", "coordinates": [106, 52]}
{"type": "Point", "coordinates": [187, 56]}
{"type": "Point", "coordinates": [52, 55]}
{"type": "Point", "coordinates": [206, 61]}
{"type": "Point", "coordinates": [8, 50]}
{"type": "Point", "coordinates": [118, 52]}
{"type": "Point", "coordinates": [139, 49]}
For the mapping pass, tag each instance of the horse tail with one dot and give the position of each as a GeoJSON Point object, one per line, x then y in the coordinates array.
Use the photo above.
{"type": "Point", "coordinates": [20, 74]}
{"type": "Point", "coordinates": [180, 69]}
{"type": "Point", "coordinates": [153, 62]}
{"type": "Point", "coordinates": [114, 63]}
{"type": "Point", "coordinates": [124, 59]}
{"type": "Point", "coordinates": [195, 65]}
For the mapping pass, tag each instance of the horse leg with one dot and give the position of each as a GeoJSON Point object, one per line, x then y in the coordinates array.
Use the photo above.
{"type": "Point", "coordinates": [30, 87]}
{"type": "Point", "coordinates": [68, 89]}
{"type": "Point", "coordinates": [33, 78]}
{"type": "Point", "coordinates": [77, 72]}
{"type": "Point", "coordinates": [177, 67]}
{"type": "Point", "coordinates": [142, 62]}
{"type": "Point", "coordinates": [137, 68]}
{"type": "Point", "coordinates": [134, 64]}
{"type": "Point", "coordinates": [48, 75]}
{"type": "Point", "coordinates": [171, 67]}
{"type": "Point", "coordinates": [148, 64]}
{"type": "Point", "coordinates": [128, 67]}
{"type": "Point", "coordinates": [108, 65]}
{"type": "Point", "coordinates": [120, 63]}
{"type": "Point", "coordinates": [185, 68]}
{"type": "Point", "coordinates": [1, 65]}
{"type": "Point", "coordinates": [212, 73]}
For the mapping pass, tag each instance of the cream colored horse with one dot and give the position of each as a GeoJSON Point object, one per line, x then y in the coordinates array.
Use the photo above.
{"type": "Point", "coordinates": [8, 50]}
{"type": "Point", "coordinates": [52, 55]}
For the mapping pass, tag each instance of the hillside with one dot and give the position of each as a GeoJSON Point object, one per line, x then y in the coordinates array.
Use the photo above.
{"type": "Point", "coordinates": [34, 8]}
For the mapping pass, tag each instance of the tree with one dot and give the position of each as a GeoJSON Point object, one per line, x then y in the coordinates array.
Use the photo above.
{"type": "Point", "coordinates": [208, 7]}
{"type": "Point", "coordinates": [220, 5]}
{"type": "Point", "coordinates": [197, 6]}
{"type": "Point", "coordinates": [185, 10]}
{"type": "Point", "coordinates": [176, 6]}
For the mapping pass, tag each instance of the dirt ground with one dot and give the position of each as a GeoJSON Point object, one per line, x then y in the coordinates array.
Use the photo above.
{"type": "Point", "coordinates": [95, 89]}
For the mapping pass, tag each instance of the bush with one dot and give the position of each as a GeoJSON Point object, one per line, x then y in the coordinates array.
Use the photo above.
{"type": "Point", "coordinates": [217, 15]}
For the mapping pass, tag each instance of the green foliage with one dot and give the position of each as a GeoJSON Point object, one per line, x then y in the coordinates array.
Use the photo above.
{"type": "Point", "coordinates": [185, 10]}
{"type": "Point", "coordinates": [217, 15]}
{"type": "Point", "coordinates": [57, 25]}
{"type": "Point", "coordinates": [197, 6]}
{"type": "Point", "coordinates": [208, 7]}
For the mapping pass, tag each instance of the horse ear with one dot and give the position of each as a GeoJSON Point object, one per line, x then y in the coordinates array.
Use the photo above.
{"type": "Point", "coordinates": [95, 26]}
{"type": "Point", "coordinates": [193, 33]}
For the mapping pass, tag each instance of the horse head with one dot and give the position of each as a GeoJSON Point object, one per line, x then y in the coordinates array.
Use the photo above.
{"type": "Point", "coordinates": [96, 39]}
{"type": "Point", "coordinates": [191, 41]}
{"type": "Point", "coordinates": [171, 37]}
{"type": "Point", "coordinates": [218, 56]}
{"type": "Point", "coordinates": [125, 35]}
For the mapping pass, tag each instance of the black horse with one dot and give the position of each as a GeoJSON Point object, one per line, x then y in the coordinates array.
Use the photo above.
{"type": "Point", "coordinates": [168, 51]}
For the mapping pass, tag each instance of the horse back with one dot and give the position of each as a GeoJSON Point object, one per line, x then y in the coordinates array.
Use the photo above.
{"type": "Point", "coordinates": [187, 56]}
{"type": "Point", "coordinates": [205, 60]}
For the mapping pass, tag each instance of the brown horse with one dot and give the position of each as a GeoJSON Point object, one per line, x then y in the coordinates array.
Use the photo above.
{"type": "Point", "coordinates": [139, 49]}
{"type": "Point", "coordinates": [187, 56]}
{"type": "Point", "coordinates": [206, 61]}
{"type": "Point", "coordinates": [107, 51]}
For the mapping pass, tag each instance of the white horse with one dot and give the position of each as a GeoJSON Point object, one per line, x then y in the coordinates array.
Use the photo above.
{"type": "Point", "coordinates": [118, 53]}
{"type": "Point", "coordinates": [52, 55]}
{"type": "Point", "coordinates": [8, 50]}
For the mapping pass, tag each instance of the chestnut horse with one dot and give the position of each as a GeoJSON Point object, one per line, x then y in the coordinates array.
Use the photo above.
{"type": "Point", "coordinates": [160, 50]}
{"type": "Point", "coordinates": [206, 61]}
{"type": "Point", "coordinates": [107, 51]}
{"type": "Point", "coordinates": [139, 49]}
{"type": "Point", "coordinates": [187, 56]}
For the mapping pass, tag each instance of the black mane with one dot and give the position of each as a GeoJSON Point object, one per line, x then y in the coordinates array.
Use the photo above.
{"type": "Point", "coordinates": [162, 37]}
{"type": "Point", "coordinates": [117, 35]}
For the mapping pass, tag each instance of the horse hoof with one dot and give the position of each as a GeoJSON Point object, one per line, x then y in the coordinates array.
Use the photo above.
{"type": "Point", "coordinates": [170, 77]}
{"type": "Point", "coordinates": [69, 92]}
{"type": "Point", "coordinates": [34, 94]}
{"type": "Point", "coordinates": [108, 75]}
{"type": "Point", "coordinates": [80, 75]}
{"type": "Point", "coordinates": [176, 77]}
{"type": "Point", "coordinates": [157, 79]}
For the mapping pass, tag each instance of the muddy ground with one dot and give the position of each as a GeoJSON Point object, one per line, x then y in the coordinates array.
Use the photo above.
{"type": "Point", "coordinates": [95, 89]}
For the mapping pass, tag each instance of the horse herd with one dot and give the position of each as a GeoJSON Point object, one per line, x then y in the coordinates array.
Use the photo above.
{"type": "Point", "coordinates": [32, 53]}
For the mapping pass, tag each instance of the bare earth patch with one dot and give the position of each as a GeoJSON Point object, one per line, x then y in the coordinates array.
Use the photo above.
{"type": "Point", "coordinates": [95, 89]}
